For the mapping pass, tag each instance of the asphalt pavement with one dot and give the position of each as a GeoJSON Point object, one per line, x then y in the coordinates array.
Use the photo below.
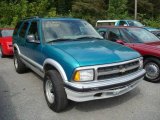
{"type": "Point", "coordinates": [22, 98]}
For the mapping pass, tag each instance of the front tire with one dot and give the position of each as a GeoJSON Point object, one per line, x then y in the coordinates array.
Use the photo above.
{"type": "Point", "coordinates": [54, 91]}
{"type": "Point", "coordinates": [152, 67]}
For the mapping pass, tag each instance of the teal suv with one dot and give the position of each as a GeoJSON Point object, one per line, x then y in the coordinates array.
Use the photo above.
{"type": "Point", "coordinates": [75, 62]}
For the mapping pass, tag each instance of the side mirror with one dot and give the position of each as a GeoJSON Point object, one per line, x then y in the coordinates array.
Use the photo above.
{"type": "Point", "coordinates": [31, 39]}
{"type": "Point", "coordinates": [120, 42]}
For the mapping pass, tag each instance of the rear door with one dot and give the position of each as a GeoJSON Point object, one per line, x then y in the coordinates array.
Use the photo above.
{"type": "Point", "coordinates": [20, 37]}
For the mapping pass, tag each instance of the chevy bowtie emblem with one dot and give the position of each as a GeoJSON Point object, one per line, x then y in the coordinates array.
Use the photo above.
{"type": "Point", "coordinates": [122, 70]}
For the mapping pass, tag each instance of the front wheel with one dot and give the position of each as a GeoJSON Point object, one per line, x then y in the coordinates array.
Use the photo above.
{"type": "Point", "coordinates": [152, 67]}
{"type": "Point", "coordinates": [54, 91]}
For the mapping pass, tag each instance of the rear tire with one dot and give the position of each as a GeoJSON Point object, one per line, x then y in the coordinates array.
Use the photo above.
{"type": "Point", "coordinates": [54, 91]}
{"type": "Point", "coordinates": [18, 64]}
{"type": "Point", "coordinates": [152, 67]}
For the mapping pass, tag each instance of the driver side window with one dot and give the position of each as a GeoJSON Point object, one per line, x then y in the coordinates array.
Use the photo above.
{"type": "Point", "coordinates": [33, 30]}
{"type": "Point", "coordinates": [113, 34]}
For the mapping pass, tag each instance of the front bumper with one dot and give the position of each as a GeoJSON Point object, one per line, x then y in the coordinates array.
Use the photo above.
{"type": "Point", "coordinates": [103, 88]}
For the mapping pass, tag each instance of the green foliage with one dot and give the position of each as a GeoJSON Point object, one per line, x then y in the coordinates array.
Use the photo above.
{"type": "Point", "coordinates": [12, 11]}
{"type": "Point", "coordinates": [90, 10]}
{"type": "Point", "coordinates": [118, 9]}
{"type": "Point", "coordinates": [153, 23]}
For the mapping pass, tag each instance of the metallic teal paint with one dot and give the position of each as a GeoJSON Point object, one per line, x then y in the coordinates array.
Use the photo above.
{"type": "Point", "coordinates": [74, 54]}
{"type": "Point", "coordinates": [97, 52]}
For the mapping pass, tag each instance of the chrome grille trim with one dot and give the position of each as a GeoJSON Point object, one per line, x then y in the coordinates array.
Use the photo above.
{"type": "Point", "coordinates": [116, 71]}
{"type": "Point", "coordinates": [95, 68]}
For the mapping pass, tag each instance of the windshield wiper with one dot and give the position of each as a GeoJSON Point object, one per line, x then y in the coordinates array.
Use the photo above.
{"type": "Point", "coordinates": [89, 37]}
{"type": "Point", "coordinates": [60, 39]}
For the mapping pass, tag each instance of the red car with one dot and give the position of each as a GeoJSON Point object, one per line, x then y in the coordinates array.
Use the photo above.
{"type": "Point", "coordinates": [141, 40]}
{"type": "Point", "coordinates": [6, 41]}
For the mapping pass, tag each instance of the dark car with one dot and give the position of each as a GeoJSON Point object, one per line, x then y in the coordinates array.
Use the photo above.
{"type": "Point", "coordinates": [141, 40]}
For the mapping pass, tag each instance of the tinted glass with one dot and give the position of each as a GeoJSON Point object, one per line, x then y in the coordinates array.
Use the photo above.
{"type": "Point", "coordinates": [67, 29]}
{"type": "Point", "coordinates": [23, 29]}
{"type": "Point", "coordinates": [17, 27]}
{"type": "Point", "coordinates": [33, 30]}
{"type": "Point", "coordinates": [135, 23]}
{"type": "Point", "coordinates": [113, 34]}
{"type": "Point", "coordinates": [140, 35]}
{"type": "Point", "coordinates": [123, 23]}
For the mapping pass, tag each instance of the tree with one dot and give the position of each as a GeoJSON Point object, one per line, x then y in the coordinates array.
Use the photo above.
{"type": "Point", "coordinates": [117, 9]}
{"type": "Point", "coordinates": [90, 10]}
{"type": "Point", "coordinates": [144, 9]}
{"type": "Point", "coordinates": [63, 7]}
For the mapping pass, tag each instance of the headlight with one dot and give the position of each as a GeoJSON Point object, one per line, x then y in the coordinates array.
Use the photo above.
{"type": "Point", "coordinates": [83, 75]}
{"type": "Point", "coordinates": [141, 63]}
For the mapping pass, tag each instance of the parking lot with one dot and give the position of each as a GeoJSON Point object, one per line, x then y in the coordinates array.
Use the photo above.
{"type": "Point", "coordinates": [22, 98]}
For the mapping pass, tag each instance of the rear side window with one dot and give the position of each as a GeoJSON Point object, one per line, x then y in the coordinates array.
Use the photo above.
{"type": "Point", "coordinates": [17, 28]}
{"type": "Point", "coordinates": [23, 29]}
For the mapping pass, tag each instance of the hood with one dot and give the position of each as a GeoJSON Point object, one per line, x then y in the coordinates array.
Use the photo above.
{"type": "Point", "coordinates": [96, 52]}
{"type": "Point", "coordinates": [153, 45]}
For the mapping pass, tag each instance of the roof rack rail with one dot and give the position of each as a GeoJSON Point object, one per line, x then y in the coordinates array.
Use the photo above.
{"type": "Point", "coordinates": [31, 17]}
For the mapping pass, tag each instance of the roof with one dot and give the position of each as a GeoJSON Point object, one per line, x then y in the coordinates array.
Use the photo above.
{"type": "Point", "coordinates": [56, 18]}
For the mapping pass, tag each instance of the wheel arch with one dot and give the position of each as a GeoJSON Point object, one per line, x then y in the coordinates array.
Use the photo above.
{"type": "Point", "coordinates": [52, 64]}
{"type": "Point", "coordinates": [150, 56]}
{"type": "Point", "coordinates": [16, 48]}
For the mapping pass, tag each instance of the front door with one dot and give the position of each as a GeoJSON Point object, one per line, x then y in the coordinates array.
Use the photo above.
{"type": "Point", "coordinates": [34, 49]}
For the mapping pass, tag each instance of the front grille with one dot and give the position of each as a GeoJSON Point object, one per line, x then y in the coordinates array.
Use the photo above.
{"type": "Point", "coordinates": [117, 70]}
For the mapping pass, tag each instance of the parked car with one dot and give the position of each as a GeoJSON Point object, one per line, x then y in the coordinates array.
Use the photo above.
{"type": "Point", "coordinates": [141, 40]}
{"type": "Point", "coordinates": [6, 41]}
{"type": "Point", "coordinates": [127, 23]}
{"type": "Point", "coordinates": [75, 62]}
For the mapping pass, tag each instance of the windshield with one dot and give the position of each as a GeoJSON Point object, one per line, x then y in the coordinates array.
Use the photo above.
{"type": "Point", "coordinates": [5, 33]}
{"type": "Point", "coordinates": [140, 35]}
{"type": "Point", "coordinates": [67, 29]}
{"type": "Point", "coordinates": [135, 23]}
